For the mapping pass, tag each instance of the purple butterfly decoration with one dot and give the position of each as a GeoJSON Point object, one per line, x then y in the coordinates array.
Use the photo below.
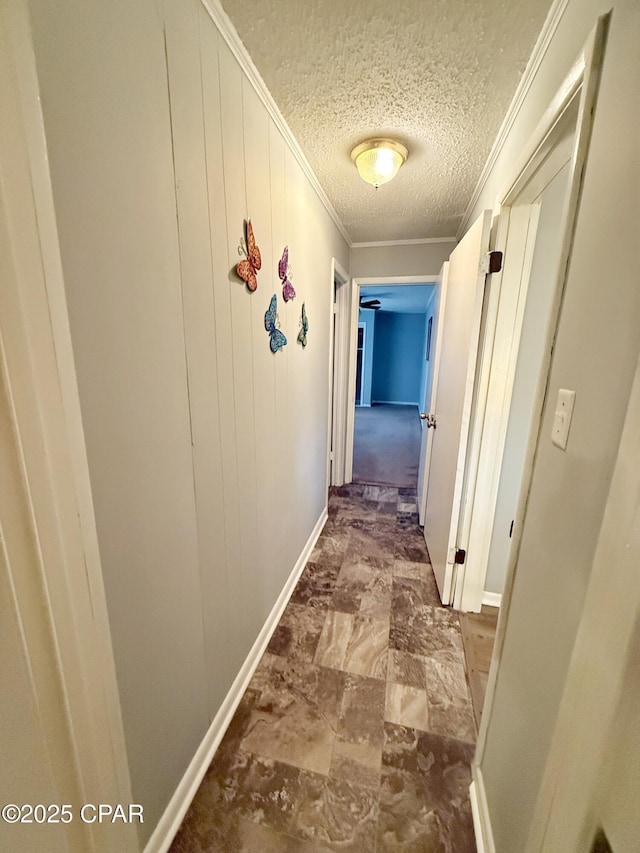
{"type": "Point", "coordinates": [283, 272]}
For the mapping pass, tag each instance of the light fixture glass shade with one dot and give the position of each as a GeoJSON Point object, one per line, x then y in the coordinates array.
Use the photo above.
{"type": "Point", "coordinates": [378, 160]}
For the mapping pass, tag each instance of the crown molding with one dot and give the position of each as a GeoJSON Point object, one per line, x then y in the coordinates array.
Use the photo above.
{"type": "Point", "coordinates": [535, 60]}
{"type": "Point", "coordinates": [417, 242]}
{"type": "Point", "coordinates": [229, 34]}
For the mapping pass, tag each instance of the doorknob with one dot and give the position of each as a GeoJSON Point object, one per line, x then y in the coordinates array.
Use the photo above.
{"type": "Point", "coordinates": [430, 419]}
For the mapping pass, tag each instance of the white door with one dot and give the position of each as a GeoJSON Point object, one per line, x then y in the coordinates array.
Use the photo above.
{"type": "Point", "coordinates": [458, 335]}
{"type": "Point", "coordinates": [426, 439]}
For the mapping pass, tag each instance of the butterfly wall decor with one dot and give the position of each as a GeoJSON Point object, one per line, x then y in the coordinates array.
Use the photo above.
{"type": "Point", "coordinates": [277, 338]}
{"type": "Point", "coordinates": [284, 271]}
{"type": "Point", "coordinates": [302, 334]}
{"type": "Point", "coordinates": [248, 268]}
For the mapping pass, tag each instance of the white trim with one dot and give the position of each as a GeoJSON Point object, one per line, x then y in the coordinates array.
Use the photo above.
{"type": "Point", "coordinates": [229, 34]}
{"type": "Point", "coordinates": [492, 599]}
{"type": "Point", "coordinates": [338, 361]}
{"type": "Point", "coordinates": [179, 803]}
{"type": "Point", "coordinates": [420, 241]}
{"type": "Point", "coordinates": [480, 812]}
{"type": "Point", "coordinates": [535, 60]}
{"type": "Point", "coordinates": [351, 381]}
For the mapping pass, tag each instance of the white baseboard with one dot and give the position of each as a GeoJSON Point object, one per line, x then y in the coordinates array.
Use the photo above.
{"type": "Point", "coordinates": [173, 815]}
{"type": "Point", "coordinates": [492, 599]}
{"type": "Point", "coordinates": [480, 812]}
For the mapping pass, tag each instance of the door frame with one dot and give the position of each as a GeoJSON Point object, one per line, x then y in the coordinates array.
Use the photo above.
{"type": "Point", "coordinates": [40, 377]}
{"type": "Point", "coordinates": [488, 436]}
{"type": "Point", "coordinates": [349, 355]}
{"type": "Point", "coordinates": [582, 82]}
{"type": "Point", "coordinates": [338, 352]}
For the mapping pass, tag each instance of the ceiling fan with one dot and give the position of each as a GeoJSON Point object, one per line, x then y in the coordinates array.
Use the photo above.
{"type": "Point", "coordinates": [370, 303]}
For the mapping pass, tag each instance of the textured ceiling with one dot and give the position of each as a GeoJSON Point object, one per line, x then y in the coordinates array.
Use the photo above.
{"type": "Point", "coordinates": [437, 74]}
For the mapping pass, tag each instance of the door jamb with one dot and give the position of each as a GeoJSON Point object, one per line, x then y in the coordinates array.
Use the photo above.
{"type": "Point", "coordinates": [338, 352]}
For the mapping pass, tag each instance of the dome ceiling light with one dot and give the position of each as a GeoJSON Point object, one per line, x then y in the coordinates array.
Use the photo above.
{"type": "Point", "coordinates": [378, 160]}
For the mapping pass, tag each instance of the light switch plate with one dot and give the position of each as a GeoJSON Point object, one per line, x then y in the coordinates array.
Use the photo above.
{"type": "Point", "coordinates": [562, 418]}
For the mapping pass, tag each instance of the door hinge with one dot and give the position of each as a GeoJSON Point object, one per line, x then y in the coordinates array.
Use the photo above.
{"type": "Point", "coordinates": [491, 262]}
{"type": "Point", "coordinates": [460, 557]}
{"type": "Point", "coordinates": [331, 456]}
{"type": "Point", "coordinates": [335, 307]}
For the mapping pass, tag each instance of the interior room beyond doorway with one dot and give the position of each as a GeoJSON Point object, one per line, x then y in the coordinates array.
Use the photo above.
{"type": "Point", "coordinates": [392, 368]}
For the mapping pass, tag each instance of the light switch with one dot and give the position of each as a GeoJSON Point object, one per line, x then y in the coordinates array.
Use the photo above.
{"type": "Point", "coordinates": [562, 418]}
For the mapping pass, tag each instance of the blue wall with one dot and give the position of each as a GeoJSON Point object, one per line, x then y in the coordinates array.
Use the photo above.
{"type": "Point", "coordinates": [398, 355]}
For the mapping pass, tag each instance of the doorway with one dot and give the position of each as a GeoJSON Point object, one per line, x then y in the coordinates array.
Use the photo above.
{"type": "Point", "coordinates": [391, 377]}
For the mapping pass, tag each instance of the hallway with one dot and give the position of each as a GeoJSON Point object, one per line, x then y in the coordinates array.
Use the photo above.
{"type": "Point", "coordinates": [386, 447]}
{"type": "Point", "coordinates": [356, 732]}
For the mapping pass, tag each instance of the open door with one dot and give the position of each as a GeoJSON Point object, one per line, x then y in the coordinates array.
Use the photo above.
{"type": "Point", "coordinates": [426, 439]}
{"type": "Point", "coordinates": [457, 345]}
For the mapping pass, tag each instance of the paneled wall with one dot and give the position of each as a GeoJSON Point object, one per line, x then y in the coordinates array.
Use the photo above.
{"type": "Point", "coordinates": [207, 452]}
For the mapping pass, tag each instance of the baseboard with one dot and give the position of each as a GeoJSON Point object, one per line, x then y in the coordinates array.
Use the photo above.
{"type": "Point", "coordinates": [480, 812]}
{"type": "Point", "coordinates": [396, 403]}
{"type": "Point", "coordinates": [173, 815]}
{"type": "Point", "coordinates": [492, 599]}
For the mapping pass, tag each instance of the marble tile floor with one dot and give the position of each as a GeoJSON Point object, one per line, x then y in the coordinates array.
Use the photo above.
{"type": "Point", "coordinates": [356, 732]}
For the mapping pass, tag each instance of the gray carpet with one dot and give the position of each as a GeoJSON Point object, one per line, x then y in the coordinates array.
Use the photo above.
{"type": "Point", "coordinates": [387, 445]}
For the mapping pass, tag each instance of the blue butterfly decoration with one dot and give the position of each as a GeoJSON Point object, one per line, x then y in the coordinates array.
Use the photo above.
{"type": "Point", "coordinates": [302, 334]}
{"type": "Point", "coordinates": [277, 338]}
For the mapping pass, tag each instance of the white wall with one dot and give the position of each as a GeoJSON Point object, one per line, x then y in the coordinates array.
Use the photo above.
{"type": "Point", "coordinates": [595, 354]}
{"type": "Point", "coordinates": [207, 453]}
{"type": "Point", "coordinates": [617, 799]}
{"type": "Point", "coordinates": [413, 259]}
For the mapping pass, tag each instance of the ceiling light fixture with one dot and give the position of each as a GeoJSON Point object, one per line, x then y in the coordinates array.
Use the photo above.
{"type": "Point", "coordinates": [378, 160]}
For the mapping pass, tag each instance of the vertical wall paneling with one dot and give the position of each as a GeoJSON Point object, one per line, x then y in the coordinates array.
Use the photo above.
{"type": "Point", "coordinates": [265, 363]}
{"type": "Point", "coordinates": [210, 82]}
{"type": "Point", "coordinates": [207, 452]}
{"type": "Point", "coordinates": [231, 99]}
{"type": "Point", "coordinates": [303, 364]}
{"type": "Point", "coordinates": [280, 518]}
{"type": "Point", "coordinates": [110, 159]}
{"type": "Point", "coordinates": [187, 129]}
{"type": "Point", "coordinates": [289, 413]}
